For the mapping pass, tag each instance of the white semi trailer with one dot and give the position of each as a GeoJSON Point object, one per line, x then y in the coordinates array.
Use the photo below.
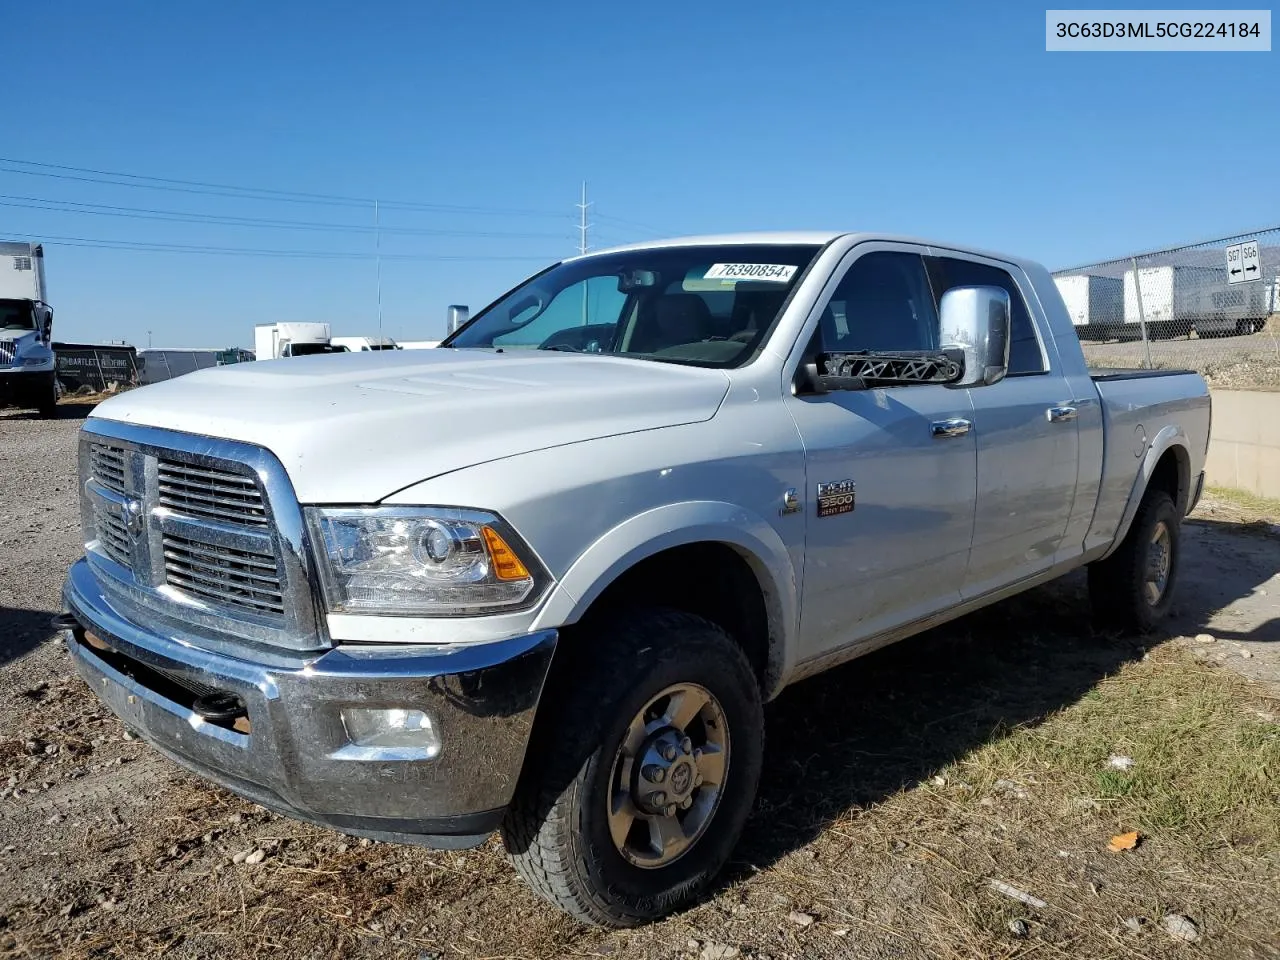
{"type": "Point", "coordinates": [294, 339]}
{"type": "Point", "coordinates": [27, 363]}
{"type": "Point", "coordinates": [1096, 304]}
{"type": "Point", "coordinates": [1177, 299]}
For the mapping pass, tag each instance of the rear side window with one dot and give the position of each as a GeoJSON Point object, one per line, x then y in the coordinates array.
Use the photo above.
{"type": "Point", "coordinates": [1025, 355]}
{"type": "Point", "coordinates": [883, 303]}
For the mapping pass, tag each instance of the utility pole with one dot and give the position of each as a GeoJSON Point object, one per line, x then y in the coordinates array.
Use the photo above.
{"type": "Point", "coordinates": [377, 244]}
{"type": "Point", "coordinates": [583, 246]}
{"type": "Point", "coordinates": [148, 338]}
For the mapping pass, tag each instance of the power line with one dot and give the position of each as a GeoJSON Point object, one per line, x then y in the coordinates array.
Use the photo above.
{"type": "Point", "coordinates": [118, 179]}
{"type": "Point", "coordinates": [179, 216]}
{"type": "Point", "coordinates": [631, 223]}
{"type": "Point", "coordinates": [144, 246]}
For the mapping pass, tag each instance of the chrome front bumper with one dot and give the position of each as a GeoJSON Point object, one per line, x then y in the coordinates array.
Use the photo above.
{"type": "Point", "coordinates": [286, 751]}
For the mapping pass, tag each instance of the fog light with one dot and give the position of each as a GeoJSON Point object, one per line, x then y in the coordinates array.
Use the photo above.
{"type": "Point", "coordinates": [392, 733]}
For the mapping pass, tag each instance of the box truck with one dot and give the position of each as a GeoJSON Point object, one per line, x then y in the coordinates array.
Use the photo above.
{"type": "Point", "coordinates": [356, 344]}
{"type": "Point", "coordinates": [27, 363]}
{"type": "Point", "coordinates": [274, 340]}
{"type": "Point", "coordinates": [1096, 304]}
{"type": "Point", "coordinates": [1177, 299]}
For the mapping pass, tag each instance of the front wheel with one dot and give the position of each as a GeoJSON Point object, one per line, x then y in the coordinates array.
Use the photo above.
{"type": "Point", "coordinates": [47, 398]}
{"type": "Point", "coordinates": [1133, 588]}
{"type": "Point", "coordinates": [643, 771]}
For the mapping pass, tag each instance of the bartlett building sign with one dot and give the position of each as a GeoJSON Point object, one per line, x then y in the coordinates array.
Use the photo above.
{"type": "Point", "coordinates": [95, 366]}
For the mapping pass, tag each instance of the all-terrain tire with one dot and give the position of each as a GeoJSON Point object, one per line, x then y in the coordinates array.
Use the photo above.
{"type": "Point", "coordinates": [557, 831]}
{"type": "Point", "coordinates": [1118, 586]}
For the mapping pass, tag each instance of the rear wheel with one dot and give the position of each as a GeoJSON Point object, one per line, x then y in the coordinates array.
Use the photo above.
{"type": "Point", "coordinates": [641, 776]}
{"type": "Point", "coordinates": [1133, 588]}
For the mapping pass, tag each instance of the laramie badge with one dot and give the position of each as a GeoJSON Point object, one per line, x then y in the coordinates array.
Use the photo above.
{"type": "Point", "coordinates": [835, 497]}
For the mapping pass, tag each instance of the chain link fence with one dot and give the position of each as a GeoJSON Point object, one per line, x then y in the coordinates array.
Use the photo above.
{"type": "Point", "coordinates": [1213, 307]}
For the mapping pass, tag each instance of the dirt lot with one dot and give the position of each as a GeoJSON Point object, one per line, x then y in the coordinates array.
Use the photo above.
{"type": "Point", "coordinates": [896, 790]}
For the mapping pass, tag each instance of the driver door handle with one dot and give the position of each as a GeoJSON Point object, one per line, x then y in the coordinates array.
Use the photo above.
{"type": "Point", "coordinates": [1061, 414]}
{"type": "Point", "coordinates": [955, 427]}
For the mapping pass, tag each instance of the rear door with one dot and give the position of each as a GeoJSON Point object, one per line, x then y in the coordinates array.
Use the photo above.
{"type": "Point", "coordinates": [1027, 436]}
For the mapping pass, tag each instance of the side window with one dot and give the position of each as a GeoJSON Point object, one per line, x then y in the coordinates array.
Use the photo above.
{"type": "Point", "coordinates": [882, 303]}
{"type": "Point", "coordinates": [1024, 347]}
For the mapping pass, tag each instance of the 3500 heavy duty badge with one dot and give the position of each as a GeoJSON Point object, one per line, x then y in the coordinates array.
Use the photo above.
{"type": "Point", "coordinates": [835, 497]}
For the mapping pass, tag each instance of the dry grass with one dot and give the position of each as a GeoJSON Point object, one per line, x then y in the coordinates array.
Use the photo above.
{"type": "Point", "coordinates": [1237, 507]}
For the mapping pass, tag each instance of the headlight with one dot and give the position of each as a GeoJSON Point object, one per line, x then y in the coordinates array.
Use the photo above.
{"type": "Point", "coordinates": [421, 561]}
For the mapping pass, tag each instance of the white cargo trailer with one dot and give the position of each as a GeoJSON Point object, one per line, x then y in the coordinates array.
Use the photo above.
{"type": "Point", "coordinates": [1096, 304]}
{"type": "Point", "coordinates": [293, 339]}
{"type": "Point", "coordinates": [1177, 299]}
{"type": "Point", "coordinates": [27, 363]}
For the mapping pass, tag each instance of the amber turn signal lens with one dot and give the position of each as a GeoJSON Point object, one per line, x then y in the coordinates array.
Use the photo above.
{"type": "Point", "coordinates": [506, 565]}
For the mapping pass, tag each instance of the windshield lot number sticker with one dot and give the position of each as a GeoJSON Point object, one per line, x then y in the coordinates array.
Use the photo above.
{"type": "Point", "coordinates": [835, 498]}
{"type": "Point", "coordinates": [775, 272]}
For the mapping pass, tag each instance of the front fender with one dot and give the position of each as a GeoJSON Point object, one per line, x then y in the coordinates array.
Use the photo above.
{"type": "Point", "coordinates": [1170, 437]}
{"type": "Point", "coordinates": [681, 524]}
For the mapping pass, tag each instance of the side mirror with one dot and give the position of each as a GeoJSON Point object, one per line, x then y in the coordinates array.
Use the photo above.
{"type": "Point", "coordinates": [975, 321]}
{"type": "Point", "coordinates": [458, 315]}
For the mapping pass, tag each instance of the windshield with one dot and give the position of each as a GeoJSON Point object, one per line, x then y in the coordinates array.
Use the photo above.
{"type": "Point", "coordinates": [307, 349]}
{"type": "Point", "coordinates": [711, 306]}
{"type": "Point", "coordinates": [16, 315]}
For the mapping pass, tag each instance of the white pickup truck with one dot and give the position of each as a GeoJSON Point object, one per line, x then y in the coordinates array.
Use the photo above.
{"type": "Point", "coordinates": [541, 579]}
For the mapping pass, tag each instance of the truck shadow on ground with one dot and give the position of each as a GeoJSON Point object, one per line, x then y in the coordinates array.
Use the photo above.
{"type": "Point", "coordinates": [21, 631]}
{"type": "Point", "coordinates": [67, 410]}
{"type": "Point", "coordinates": [858, 734]}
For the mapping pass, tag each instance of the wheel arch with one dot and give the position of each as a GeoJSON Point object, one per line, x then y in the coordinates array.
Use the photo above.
{"type": "Point", "coordinates": [1165, 466]}
{"type": "Point", "coordinates": [683, 539]}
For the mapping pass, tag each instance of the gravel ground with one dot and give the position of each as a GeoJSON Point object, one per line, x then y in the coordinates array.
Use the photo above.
{"type": "Point", "coordinates": [108, 850]}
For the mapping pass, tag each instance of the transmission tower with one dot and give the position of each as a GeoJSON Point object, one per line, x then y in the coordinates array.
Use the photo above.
{"type": "Point", "coordinates": [583, 226]}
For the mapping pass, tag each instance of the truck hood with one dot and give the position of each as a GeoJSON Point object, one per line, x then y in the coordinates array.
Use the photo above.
{"type": "Point", "coordinates": [357, 427]}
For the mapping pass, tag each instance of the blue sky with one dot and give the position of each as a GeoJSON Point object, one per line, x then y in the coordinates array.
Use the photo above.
{"type": "Point", "coordinates": [944, 120]}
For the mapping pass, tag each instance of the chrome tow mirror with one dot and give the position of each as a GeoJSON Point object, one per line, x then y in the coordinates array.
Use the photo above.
{"type": "Point", "coordinates": [975, 321]}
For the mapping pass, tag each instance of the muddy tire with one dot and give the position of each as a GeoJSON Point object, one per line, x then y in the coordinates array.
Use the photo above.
{"type": "Point", "coordinates": [643, 768]}
{"type": "Point", "coordinates": [1133, 588]}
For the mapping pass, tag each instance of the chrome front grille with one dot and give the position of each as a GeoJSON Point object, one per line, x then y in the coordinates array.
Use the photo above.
{"type": "Point", "coordinates": [106, 465]}
{"type": "Point", "coordinates": [7, 352]}
{"type": "Point", "coordinates": [224, 575]}
{"type": "Point", "coordinates": [113, 535]}
{"type": "Point", "coordinates": [205, 532]}
{"type": "Point", "coordinates": [211, 494]}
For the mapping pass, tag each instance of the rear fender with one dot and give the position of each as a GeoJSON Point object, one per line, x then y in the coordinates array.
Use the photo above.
{"type": "Point", "coordinates": [1171, 437]}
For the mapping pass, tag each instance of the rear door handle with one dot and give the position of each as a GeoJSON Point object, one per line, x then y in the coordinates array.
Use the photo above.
{"type": "Point", "coordinates": [1061, 414]}
{"type": "Point", "coordinates": [955, 427]}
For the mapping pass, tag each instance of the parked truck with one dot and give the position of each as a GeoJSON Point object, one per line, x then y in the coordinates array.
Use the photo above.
{"type": "Point", "coordinates": [357, 344]}
{"type": "Point", "coordinates": [1177, 299]}
{"type": "Point", "coordinates": [293, 339]}
{"type": "Point", "coordinates": [27, 363]}
{"type": "Point", "coordinates": [541, 579]}
{"type": "Point", "coordinates": [1095, 304]}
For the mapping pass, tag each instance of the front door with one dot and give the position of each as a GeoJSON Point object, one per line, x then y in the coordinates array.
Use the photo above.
{"type": "Point", "coordinates": [896, 550]}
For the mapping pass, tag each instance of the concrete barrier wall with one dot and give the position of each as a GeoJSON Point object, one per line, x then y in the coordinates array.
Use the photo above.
{"type": "Point", "coordinates": [1244, 444]}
